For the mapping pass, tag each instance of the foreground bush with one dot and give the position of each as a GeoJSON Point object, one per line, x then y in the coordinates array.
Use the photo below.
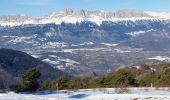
{"type": "Point", "coordinates": [157, 79]}
{"type": "Point", "coordinates": [124, 78]}
{"type": "Point", "coordinates": [29, 81]}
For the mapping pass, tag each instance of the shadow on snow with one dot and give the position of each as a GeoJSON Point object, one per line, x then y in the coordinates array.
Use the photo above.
{"type": "Point", "coordinates": [79, 96]}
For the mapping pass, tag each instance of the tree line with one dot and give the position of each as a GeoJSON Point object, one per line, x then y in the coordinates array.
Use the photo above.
{"type": "Point", "coordinates": [121, 78]}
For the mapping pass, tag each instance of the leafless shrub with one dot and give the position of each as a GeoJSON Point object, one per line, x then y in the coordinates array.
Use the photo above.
{"type": "Point", "coordinates": [1, 91]}
{"type": "Point", "coordinates": [135, 99]}
{"type": "Point", "coordinates": [157, 88]}
{"type": "Point", "coordinates": [104, 90]}
{"type": "Point", "coordinates": [148, 98]}
{"type": "Point", "coordinates": [146, 89]}
{"type": "Point", "coordinates": [94, 90]}
{"type": "Point", "coordinates": [168, 89]}
{"type": "Point", "coordinates": [121, 90]}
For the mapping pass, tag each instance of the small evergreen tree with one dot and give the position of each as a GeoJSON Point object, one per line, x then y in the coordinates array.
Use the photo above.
{"type": "Point", "coordinates": [62, 82]}
{"type": "Point", "coordinates": [100, 82]}
{"type": "Point", "coordinates": [29, 80]}
{"type": "Point", "coordinates": [123, 78]}
{"type": "Point", "coordinates": [76, 83]}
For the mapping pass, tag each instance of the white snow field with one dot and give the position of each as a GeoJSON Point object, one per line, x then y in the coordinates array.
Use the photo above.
{"type": "Point", "coordinates": [93, 94]}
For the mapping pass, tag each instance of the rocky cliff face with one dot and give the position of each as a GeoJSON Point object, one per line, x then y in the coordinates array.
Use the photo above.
{"type": "Point", "coordinates": [74, 16]}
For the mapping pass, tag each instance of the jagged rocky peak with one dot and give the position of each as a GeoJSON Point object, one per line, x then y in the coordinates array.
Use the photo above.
{"type": "Point", "coordinates": [80, 13]}
{"type": "Point", "coordinates": [14, 18]}
{"type": "Point", "coordinates": [126, 13]}
{"type": "Point", "coordinates": [68, 11]}
{"type": "Point", "coordinates": [100, 13]}
{"type": "Point", "coordinates": [96, 12]}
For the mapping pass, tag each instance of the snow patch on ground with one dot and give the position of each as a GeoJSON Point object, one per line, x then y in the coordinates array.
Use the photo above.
{"type": "Point", "coordinates": [136, 33]}
{"type": "Point", "coordinates": [127, 50]}
{"type": "Point", "coordinates": [35, 56]}
{"type": "Point", "coordinates": [160, 58]}
{"type": "Point", "coordinates": [87, 43]}
{"type": "Point", "coordinates": [68, 61]}
{"type": "Point", "coordinates": [20, 39]}
{"type": "Point", "coordinates": [109, 44]}
{"type": "Point", "coordinates": [61, 63]}
{"type": "Point", "coordinates": [92, 94]}
{"type": "Point", "coordinates": [53, 56]}
{"type": "Point", "coordinates": [50, 61]}
{"type": "Point", "coordinates": [83, 49]}
{"type": "Point", "coordinates": [54, 45]}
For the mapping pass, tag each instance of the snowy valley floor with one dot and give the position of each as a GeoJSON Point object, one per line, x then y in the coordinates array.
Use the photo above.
{"type": "Point", "coordinates": [93, 94]}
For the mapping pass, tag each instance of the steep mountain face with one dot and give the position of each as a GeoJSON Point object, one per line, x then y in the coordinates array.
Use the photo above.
{"type": "Point", "coordinates": [89, 43]}
{"type": "Point", "coordinates": [14, 63]}
{"type": "Point", "coordinates": [74, 16]}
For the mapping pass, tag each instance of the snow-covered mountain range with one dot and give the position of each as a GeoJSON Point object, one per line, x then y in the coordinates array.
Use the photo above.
{"type": "Point", "coordinates": [74, 16]}
{"type": "Point", "coordinates": [88, 43]}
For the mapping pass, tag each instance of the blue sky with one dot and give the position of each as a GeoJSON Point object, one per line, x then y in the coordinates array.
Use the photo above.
{"type": "Point", "coordinates": [40, 7]}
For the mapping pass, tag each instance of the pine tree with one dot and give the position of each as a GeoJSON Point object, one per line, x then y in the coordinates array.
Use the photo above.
{"type": "Point", "coordinates": [29, 80]}
{"type": "Point", "coordinates": [62, 82]}
{"type": "Point", "coordinates": [76, 83]}
{"type": "Point", "coordinates": [123, 78]}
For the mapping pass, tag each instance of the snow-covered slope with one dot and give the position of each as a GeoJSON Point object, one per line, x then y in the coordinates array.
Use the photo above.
{"type": "Point", "coordinates": [74, 16]}
{"type": "Point", "coordinates": [93, 94]}
{"type": "Point", "coordinates": [160, 58]}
